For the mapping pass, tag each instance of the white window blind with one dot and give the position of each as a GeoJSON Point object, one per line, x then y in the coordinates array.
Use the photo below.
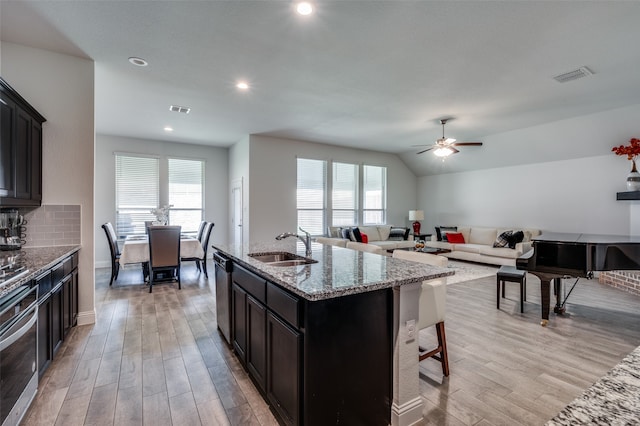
{"type": "Point", "coordinates": [186, 185]}
{"type": "Point", "coordinates": [374, 195]}
{"type": "Point", "coordinates": [344, 194]}
{"type": "Point", "coordinates": [137, 192]}
{"type": "Point", "coordinates": [311, 195]}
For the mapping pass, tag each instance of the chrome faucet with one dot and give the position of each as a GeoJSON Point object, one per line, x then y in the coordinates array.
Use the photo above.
{"type": "Point", "coordinates": [306, 240]}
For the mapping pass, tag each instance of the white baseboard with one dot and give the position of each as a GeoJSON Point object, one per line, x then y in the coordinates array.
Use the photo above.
{"type": "Point", "coordinates": [87, 317]}
{"type": "Point", "coordinates": [408, 413]}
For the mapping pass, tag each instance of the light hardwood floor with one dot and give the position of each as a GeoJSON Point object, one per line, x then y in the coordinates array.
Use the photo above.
{"type": "Point", "coordinates": [158, 359]}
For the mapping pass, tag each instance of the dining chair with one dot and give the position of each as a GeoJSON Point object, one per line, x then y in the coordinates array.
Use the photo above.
{"type": "Point", "coordinates": [164, 253]}
{"type": "Point", "coordinates": [432, 303]}
{"type": "Point", "coordinates": [204, 241]}
{"type": "Point", "coordinates": [113, 248]}
{"type": "Point", "coordinates": [201, 227]}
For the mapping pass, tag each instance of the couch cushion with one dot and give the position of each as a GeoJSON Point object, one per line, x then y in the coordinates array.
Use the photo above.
{"type": "Point", "coordinates": [500, 252]}
{"type": "Point", "coordinates": [469, 248]}
{"type": "Point", "coordinates": [387, 245]}
{"type": "Point", "coordinates": [455, 238]}
{"type": "Point", "coordinates": [383, 231]}
{"type": "Point", "coordinates": [465, 231]}
{"type": "Point", "coordinates": [335, 232]}
{"type": "Point", "coordinates": [440, 231]}
{"type": "Point", "coordinates": [355, 234]}
{"type": "Point", "coordinates": [371, 231]}
{"type": "Point", "coordinates": [345, 233]}
{"type": "Point", "coordinates": [502, 240]}
{"type": "Point", "coordinates": [516, 238]}
{"type": "Point", "coordinates": [439, 244]}
{"type": "Point", "coordinates": [398, 234]}
{"type": "Point", "coordinates": [484, 236]}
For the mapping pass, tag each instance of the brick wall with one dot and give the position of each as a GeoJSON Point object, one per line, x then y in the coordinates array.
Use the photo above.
{"type": "Point", "coordinates": [53, 225]}
{"type": "Point", "coordinates": [625, 280]}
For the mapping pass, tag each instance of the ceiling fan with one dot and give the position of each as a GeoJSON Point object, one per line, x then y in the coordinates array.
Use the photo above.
{"type": "Point", "coordinates": [444, 147]}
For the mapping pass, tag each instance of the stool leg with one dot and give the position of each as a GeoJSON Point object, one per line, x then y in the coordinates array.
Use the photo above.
{"type": "Point", "coordinates": [525, 287]}
{"type": "Point", "coordinates": [504, 285]}
{"type": "Point", "coordinates": [521, 297]}
{"type": "Point", "coordinates": [498, 292]}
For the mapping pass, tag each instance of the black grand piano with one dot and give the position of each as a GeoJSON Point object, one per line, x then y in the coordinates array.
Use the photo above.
{"type": "Point", "coordinates": [558, 255]}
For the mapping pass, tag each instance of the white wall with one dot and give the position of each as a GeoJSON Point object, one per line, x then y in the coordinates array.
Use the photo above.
{"type": "Point", "coordinates": [573, 195]}
{"type": "Point", "coordinates": [216, 182]}
{"type": "Point", "coordinates": [273, 170]}
{"type": "Point", "coordinates": [61, 88]}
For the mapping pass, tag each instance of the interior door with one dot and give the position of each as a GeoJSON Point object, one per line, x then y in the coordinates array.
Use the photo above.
{"type": "Point", "coordinates": [236, 214]}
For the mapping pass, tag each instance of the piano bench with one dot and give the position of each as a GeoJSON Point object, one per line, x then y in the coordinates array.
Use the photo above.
{"type": "Point", "coordinates": [511, 274]}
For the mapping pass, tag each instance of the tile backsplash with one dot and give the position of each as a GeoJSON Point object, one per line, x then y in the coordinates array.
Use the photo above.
{"type": "Point", "coordinates": [53, 225]}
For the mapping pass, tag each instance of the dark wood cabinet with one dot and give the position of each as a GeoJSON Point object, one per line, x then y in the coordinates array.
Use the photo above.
{"type": "Point", "coordinates": [57, 308]}
{"type": "Point", "coordinates": [21, 149]}
{"type": "Point", "coordinates": [284, 367]}
{"type": "Point", "coordinates": [239, 321]}
{"type": "Point", "coordinates": [257, 342]}
{"type": "Point", "coordinates": [315, 362]}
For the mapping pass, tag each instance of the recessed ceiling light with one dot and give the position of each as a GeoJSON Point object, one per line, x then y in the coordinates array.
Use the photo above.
{"type": "Point", "coordinates": [178, 108]}
{"type": "Point", "coordinates": [168, 129]}
{"type": "Point", "coordinates": [139, 62]}
{"type": "Point", "coordinates": [304, 8]}
{"type": "Point", "coordinates": [242, 85]}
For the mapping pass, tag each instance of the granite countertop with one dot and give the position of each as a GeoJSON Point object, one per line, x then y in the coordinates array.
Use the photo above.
{"type": "Point", "coordinates": [612, 400]}
{"type": "Point", "coordinates": [338, 272]}
{"type": "Point", "coordinates": [35, 259]}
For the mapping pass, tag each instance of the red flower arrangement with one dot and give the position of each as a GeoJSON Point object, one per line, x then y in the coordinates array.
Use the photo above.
{"type": "Point", "coordinates": [631, 151]}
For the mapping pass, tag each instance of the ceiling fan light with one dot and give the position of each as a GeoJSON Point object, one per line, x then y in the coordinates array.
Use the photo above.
{"type": "Point", "coordinates": [443, 152]}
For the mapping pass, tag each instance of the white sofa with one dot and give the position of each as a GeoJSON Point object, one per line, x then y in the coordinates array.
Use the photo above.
{"type": "Point", "coordinates": [376, 234]}
{"type": "Point", "coordinates": [478, 245]}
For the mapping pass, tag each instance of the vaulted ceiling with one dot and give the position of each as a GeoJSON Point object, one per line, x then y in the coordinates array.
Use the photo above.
{"type": "Point", "coordinates": [367, 74]}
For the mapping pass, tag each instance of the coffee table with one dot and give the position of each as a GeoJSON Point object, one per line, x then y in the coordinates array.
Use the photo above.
{"type": "Point", "coordinates": [430, 250]}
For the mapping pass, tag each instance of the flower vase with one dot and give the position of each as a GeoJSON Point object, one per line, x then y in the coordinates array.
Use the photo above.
{"type": "Point", "coordinates": [633, 178]}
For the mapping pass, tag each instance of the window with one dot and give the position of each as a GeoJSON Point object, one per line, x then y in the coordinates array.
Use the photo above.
{"type": "Point", "coordinates": [351, 194]}
{"type": "Point", "coordinates": [374, 188]}
{"type": "Point", "coordinates": [344, 194]}
{"type": "Point", "coordinates": [311, 198]}
{"type": "Point", "coordinates": [137, 192]}
{"type": "Point", "coordinates": [144, 183]}
{"type": "Point", "coordinates": [186, 179]}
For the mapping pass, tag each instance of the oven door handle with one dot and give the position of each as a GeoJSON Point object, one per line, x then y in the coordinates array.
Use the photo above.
{"type": "Point", "coordinates": [5, 343]}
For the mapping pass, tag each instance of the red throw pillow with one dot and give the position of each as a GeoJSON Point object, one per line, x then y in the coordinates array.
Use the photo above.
{"type": "Point", "coordinates": [455, 237]}
{"type": "Point", "coordinates": [365, 239]}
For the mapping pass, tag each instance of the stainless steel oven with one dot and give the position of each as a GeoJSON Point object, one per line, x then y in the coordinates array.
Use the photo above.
{"type": "Point", "coordinates": [18, 349]}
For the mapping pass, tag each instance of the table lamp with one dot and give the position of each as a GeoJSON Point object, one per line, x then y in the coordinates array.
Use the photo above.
{"type": "Point", "coordinates": [416, 215]}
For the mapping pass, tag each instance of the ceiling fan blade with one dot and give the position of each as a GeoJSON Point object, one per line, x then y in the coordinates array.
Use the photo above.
{"type": "Point", "coordinates": [425, 150]}
{"type": "Point", "coordinates": [467, 144]}
{"type": "Point", "coordinates": [455, 151]}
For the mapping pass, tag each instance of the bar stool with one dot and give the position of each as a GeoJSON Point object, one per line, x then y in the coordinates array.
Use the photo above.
{"type": "Point", "coordinates": [514, 275]}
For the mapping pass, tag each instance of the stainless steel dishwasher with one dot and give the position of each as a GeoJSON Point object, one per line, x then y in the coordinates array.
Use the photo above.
{"type": "Point", "coordinates": [224, 267]}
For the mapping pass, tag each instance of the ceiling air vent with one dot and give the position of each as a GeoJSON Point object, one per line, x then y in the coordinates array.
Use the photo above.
{"type": "Point", "coordinates": [573, 75]}
{"type": "Point", "coordinates": [177, 108]}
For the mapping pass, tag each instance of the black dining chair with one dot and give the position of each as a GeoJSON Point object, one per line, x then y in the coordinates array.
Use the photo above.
{"type": "Point", "coordinates": [112, 239]}
{"type": "Point", "coordinates": [164, 254]}
{"type": "Point", "coordinates": [204, 241]}
{"type": "Point", "coordinates": [201, 229]}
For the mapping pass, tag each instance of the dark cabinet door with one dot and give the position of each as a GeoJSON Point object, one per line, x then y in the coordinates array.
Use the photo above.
{"type": "Point", "coordinates": [57, 328]}
{"type": "Point", "coordinates": [35, 168]}
{"type": "Point", "coordinates": [257, 343]}
{"type": "Point", "coordinates": [44, 336]}
{"type": "Point", "coordinates": [239, 321]}
{"type": "Point", "coordinates": [69, 296]}
{"type": "Point", "coordinates": [284, 369]}
{"type": "Point", "coordinates": [22, 158]}
{"type": "Point", "coordinates": [7, 112]}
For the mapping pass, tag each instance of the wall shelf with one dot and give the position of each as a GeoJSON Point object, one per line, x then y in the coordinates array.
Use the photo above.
{"type": "Point", "coordinates": [628, 195]}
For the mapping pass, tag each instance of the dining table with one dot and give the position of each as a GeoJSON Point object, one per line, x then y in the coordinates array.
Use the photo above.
{"type": "Point", "coordinates": [136, 248]}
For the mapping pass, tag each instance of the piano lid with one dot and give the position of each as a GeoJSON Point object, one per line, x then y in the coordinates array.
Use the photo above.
{"type": "Point", "coordinates": [564, 237]}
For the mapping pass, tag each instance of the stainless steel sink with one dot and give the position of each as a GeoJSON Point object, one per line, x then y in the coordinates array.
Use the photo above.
{"type": "Point", "coordinates": [281, 258]}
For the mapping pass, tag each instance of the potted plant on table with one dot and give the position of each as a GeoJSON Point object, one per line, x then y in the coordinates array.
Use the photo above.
{"type": "Point", "coordinates": [162, 214]}
{"type": "Point", "coordinates": [631, 151]}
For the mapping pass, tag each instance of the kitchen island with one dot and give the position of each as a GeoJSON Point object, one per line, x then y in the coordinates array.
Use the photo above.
{"type": "Point", "coordinates": [331, 342]}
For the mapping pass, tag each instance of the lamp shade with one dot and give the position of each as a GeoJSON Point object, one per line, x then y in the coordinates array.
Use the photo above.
{"type": "Point", "coordinates": [416, 215]}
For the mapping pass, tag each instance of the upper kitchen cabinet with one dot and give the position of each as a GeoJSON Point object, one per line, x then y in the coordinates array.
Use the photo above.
{"type": "Point", "coordinates": [20, 150]}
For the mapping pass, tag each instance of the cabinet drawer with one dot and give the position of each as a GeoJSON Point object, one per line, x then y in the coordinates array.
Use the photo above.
{"type": "Point", "coordinates": [67, 265]}
{"type": "Point", "coordinates": [283, 304]}
{"type": "Point", "coordinates": [74, 260]}
{"type": "Point", "coordinates": [44, 285]}
{"type": "Point", "coordinates": [251, 283]}
{"type": "Point", "coordinates": [57, 273]}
